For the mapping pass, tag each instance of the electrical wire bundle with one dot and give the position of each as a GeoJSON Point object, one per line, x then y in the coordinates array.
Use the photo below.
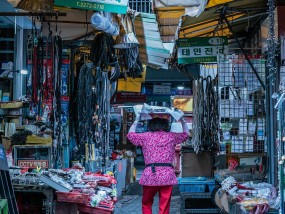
{"type": "Point", "coordinates": [130, 60]}
{"type": "Point", "coordinates": [205, 115]}
{"type": "Point", "coordinates": [20, 137]}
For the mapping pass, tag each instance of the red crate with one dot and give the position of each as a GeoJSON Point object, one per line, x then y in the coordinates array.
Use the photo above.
{"type": "Point", "coordinates": [72, 197]}
{"type": "Point", "coordinates": [107, 204]}
{"type": "Point", "coordinates": [84, 209]}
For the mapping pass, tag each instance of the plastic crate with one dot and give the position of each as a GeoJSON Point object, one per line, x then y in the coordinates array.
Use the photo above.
{"type": "Point", "coordinates": [196, 184]}
{"type": "Point", "coordinates": [3, 206]}
{"type": "Point", "coordinates": [84, 209]}
{"type": "Point", "coordinates": [211, 183]}
{"type": "Point", "coordinates": [72, 197]}
{"type": "Point", "coordinates": [192, 184]}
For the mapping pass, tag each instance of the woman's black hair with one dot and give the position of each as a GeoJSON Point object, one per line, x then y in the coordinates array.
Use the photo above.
{"type": "Point", "coordinates": [158, 124]}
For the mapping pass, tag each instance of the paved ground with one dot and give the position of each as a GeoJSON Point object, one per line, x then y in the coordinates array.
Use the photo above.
{"type": "Point", "coordinates": [133, 206]}
{"type": "Point", "coordinates": [130, 202]}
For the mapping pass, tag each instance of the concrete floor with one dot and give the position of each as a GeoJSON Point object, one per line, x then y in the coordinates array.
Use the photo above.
{"type": "Point", "coordinates": [130, 202]}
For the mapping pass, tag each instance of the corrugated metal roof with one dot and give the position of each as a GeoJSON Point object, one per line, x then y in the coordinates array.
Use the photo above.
{"type": "Point", "coordinates": [151, 49]}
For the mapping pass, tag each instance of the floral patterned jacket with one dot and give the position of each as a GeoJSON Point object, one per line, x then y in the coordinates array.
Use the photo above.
{"type": "Point", "coordinates": [158, 147]}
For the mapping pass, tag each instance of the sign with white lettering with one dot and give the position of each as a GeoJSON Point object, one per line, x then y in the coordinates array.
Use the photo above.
{"type": "Point", "coordinates": [33, 163]}
{"type": "Point", "coordinates": [114, 6]}
{"type": "Point", "coordinates": [162, 89]}
{"type": "Point", "coordinates": [201, 49]}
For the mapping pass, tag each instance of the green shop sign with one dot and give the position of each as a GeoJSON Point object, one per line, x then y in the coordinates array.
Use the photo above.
{"type": "Point", "coordinates": [113, 6]}
{"type": "Point", "coordinates": [201, 49]}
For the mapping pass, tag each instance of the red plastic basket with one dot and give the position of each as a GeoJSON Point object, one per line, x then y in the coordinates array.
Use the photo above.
{"type": "Point", "coordinates": [84, 209]}
{"type": "Point", "coordinates": [72, 197]}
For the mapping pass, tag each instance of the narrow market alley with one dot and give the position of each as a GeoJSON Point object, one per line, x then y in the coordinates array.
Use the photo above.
{"type": "Point", "coordinates": [142, 106]}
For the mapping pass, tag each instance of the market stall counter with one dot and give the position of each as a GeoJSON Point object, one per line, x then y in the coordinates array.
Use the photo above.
{"type": "Point", "coordinates": [91, 192]}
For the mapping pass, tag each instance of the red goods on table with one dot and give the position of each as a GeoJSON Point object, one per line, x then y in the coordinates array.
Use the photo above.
{"type": "Point", "coordinates": [73, 197]}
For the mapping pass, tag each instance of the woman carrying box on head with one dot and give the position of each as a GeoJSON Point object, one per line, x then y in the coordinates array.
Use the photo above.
{"type": "Point", "coordinates": [158, 146]}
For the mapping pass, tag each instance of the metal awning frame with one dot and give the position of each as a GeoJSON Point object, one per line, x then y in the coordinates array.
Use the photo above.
{"type": "Point", "coordinates": [219, 20]}
{"type": "Point", "coordinates": [224, 17]}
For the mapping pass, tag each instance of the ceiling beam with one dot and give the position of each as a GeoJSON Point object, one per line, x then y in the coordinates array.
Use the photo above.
{"type": "Point", "coordinates": [67, 22]}
{"type": "Point", "coordinates": [32, 14]}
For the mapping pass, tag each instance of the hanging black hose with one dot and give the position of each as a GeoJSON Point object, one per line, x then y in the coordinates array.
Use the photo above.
{"type": "Point", "coordinates": [102, 53]}
{"type": "Point", "coordinates": [40, 75]}
{"type": "Point", "coordinates": [103, 56]}
{"type": "Point", "coordinates": [57, 126]}
{"type": "Point", "coordinates": [85, 106]}
{"type": "Point", "coordinates": [93, 96]}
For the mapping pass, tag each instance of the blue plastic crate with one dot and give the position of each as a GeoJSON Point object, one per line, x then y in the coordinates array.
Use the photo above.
{"type": "Point", "coordinates": [192, 184]}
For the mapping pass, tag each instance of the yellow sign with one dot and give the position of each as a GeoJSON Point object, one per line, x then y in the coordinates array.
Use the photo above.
{"type": "Point", "coordinates": [132, 84]}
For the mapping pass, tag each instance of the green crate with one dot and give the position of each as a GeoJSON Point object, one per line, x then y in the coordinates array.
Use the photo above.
{"type": "Point", "coordinates": [3, 206]}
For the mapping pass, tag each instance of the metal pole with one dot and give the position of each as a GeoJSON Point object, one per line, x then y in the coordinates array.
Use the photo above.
{"type": "Point", "coordinates": [280, 152]}
{"type": "Point", "coordinates": [270, 130]}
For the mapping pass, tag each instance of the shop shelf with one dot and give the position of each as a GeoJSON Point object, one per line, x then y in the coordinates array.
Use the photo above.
{"type": "Point", "coordinates": [72, 197]}
{"type": "Point", "coordinates": [3, 206]}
